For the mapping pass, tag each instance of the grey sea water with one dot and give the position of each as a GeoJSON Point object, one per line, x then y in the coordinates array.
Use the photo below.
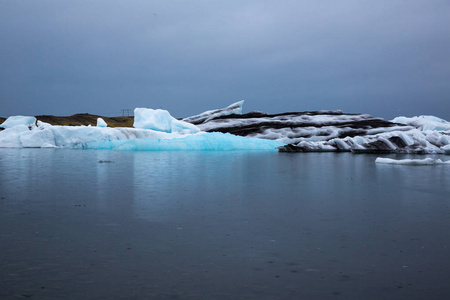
{"type": "Point", "coordinates": [81, 224]}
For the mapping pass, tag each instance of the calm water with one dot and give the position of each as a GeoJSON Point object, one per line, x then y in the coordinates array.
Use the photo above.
{"type": "Point", "coordinates": [221, 225]}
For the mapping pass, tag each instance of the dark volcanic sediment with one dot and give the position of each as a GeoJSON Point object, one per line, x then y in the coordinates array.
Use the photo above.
{"type": "Point", "coordinates": [259, 124]}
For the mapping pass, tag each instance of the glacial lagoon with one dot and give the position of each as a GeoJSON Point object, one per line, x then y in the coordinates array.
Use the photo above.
{"type": "Point", "coordinates": [96, 224]}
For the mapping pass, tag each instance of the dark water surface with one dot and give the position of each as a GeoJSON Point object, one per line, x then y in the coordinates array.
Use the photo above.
{"type": "Point", "coordinates": [221, 225]}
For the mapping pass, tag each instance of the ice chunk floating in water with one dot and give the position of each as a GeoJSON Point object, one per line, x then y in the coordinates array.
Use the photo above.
{"type": "Point", "coordinates": [412, 162]}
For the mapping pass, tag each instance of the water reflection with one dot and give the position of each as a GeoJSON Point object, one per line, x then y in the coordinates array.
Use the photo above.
{"type": "Point", "coordinates": [275, 225]}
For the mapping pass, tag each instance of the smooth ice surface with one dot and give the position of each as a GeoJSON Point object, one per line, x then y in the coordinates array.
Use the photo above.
{"type": "Point", "coordinates": [101, 123]}
{"type": "Point", "coordinates": [197, 142]}
{"type": "Point", "coordinates": [18, 120]}
{"type": "Point", "coordinates": [235, 108]}
{"type": "Point", "coordinates": [161, 120]}
{"type": "Point", "coordinates": [412, 162]}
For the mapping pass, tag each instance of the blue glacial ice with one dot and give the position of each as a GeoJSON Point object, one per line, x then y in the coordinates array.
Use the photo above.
{"type": "Point", "coordinates": [197, 142]}
{"type": "Point", "coordinates": [157, 131]}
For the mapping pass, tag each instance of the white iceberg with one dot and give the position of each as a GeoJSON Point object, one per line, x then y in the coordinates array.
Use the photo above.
{"type": "Point", "coordinates": [412, 162]}
{"type": "Point", "coordinates": [164, 133]}
{"type": "Point", "coordinates": [235, 108]}
{"type": "Point", "coordinates": [161, 120]}
{"type": "Point", "coordinates": [101, 123]}
{"type": "Point", "coordinates": [18, 120]}
{"type": "Point", "coordinates": [424, 123]}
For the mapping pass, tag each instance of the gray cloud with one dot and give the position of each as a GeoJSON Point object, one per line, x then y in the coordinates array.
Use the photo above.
{"type": "Point", "coordinates": [386, 58]}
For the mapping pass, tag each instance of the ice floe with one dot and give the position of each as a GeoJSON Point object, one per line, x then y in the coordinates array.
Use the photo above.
{"type": "Point", "coordinates": [412, 162]}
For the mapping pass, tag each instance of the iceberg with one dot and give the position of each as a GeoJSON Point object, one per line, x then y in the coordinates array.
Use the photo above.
{"type": "Point", "coordinates": [161, 120]}
{"type": "Point", "coordinates": [101, 123]}
{"type": "Point", "coordinates": [166, 133]}
{"type": "Point", "coordinates": [235, 108]}
{"type": "Point", "coordinates": [412, 162]}
{"type": "Point", "coordinates": [228, 128]}
{"type": "Point", "coordinates": [18, 120]}
{"type": "Point", "coordinates": [333, 130]}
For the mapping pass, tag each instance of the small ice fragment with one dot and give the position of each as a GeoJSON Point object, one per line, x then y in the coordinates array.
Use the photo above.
{"type": "Point", "coordinates": [101, 123]}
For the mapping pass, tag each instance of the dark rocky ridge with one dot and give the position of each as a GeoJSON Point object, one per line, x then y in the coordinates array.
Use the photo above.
{"type": "Point", "coordinates": [86, 119]}
{"type": "Point", "coordinates": [83, 119]}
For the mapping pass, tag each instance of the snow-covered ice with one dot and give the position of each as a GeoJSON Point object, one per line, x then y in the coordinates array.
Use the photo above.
{"type": "Point", "coordinates": [412, 162]}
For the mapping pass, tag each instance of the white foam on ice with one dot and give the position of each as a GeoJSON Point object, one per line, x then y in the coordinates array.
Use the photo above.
{"type": "Point", "coordinates": [18, 120]}
{"type": "Point", "coordinates": [412, 162]}
{"type": "Point", "coordinates": [235, 108]}
{"type": "Point", "coordinates": [161, 120]}
{"type": "Point", "coordinates": [101, 123]}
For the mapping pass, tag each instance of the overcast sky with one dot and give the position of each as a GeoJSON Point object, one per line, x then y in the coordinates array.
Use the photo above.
{"type": "Point", "coordinates": [385, 58]}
